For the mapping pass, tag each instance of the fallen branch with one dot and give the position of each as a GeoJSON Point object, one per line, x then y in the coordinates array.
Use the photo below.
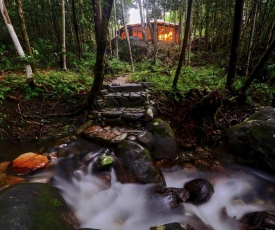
{"type": "Point", "coordinates": [49, 116]}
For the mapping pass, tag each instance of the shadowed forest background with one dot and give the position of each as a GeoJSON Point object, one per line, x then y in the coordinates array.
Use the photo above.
{"type": "Point", "coordinates": [223, 47]}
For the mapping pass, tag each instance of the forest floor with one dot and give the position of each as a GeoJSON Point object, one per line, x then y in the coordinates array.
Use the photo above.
{"type": "Point", "coordinates": [194, 123]}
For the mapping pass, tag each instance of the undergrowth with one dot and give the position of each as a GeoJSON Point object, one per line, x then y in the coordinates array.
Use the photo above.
{"type": "Point", "coordinates": [53, 84]}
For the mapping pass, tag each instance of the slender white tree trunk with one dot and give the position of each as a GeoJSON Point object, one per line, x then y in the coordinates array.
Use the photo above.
{"type": "Point", "coordinates": [127, 36]}
{"type": "Point", "coordinates": [14, 38]}
{"type": "Point", "coordinates": [116, 40]}
{"type": "Point", "coordinates": [64, 36]}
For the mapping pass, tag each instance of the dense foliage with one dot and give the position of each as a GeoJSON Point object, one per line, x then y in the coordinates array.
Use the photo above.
{"type": "Point", "coordinates": [209, 44]}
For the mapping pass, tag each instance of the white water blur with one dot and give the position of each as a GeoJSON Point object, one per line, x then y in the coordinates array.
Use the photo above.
{"type": "Point", "coordinates": [102, 205]}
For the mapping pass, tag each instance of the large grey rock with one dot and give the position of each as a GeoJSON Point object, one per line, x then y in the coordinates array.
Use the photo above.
{"type": "Point", "coordinates": [34, 206]}
{"type": "Point", "coordinates": [139, 49]}
{"type": "Point", "coordinates": [252, 142]}
{"type": "Point", "coordinates": [134, 164]}
{"type": "Point", "coordinates": [165, 142]}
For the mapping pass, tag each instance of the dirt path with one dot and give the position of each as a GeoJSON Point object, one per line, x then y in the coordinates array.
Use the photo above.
{"type": "Point", "coordinates": [121, 80]}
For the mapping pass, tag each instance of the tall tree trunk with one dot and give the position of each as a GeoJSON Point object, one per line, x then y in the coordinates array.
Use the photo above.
{"type": "Point", "coordinates": [184, 43]}
{"type": "Point", "coordinates": [23, 28]}
{"type": "Point", "coordinates": [235, 45]}
{"type": "Point", "coordinates": [101, 20]}
{"type": "Point", "coordinates": [271, 34]}
{"type": "Point", "coordinates": [127, 35]}
{"type": "Point", "coordinates": [144, 37]}
{"type": "Point", "coordinates": [56, 29]}
{"type": "Point", "coordinates": [180, 22]}
{"type": "Point", "coordinates": [258, 68]}
{"type": "Point", "coordinates": [64, 63]}
{"type": "Point", "coordinates": [52, 25]}
{"type": "Point", "coordinates": [206, 32]}
{"type": "Point", "coordinates": [116, 40]}
{"type": "Point", "coordinates": [149, 22]}
{"type": "Point", "coordinates": [76, 28]}
{"type": "Point", "coordinates": [16, 42]}
{"type": "Point", "coordinates": [189, 44]}
{"type": "Point", "coordinates": [255, 9]}
{"type": "Point", "coordinates": [155, 32]}
{"type": "Point", "coordinates": [24, 32]}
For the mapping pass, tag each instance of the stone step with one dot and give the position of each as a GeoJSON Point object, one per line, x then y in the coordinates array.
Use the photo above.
{"type": "Point", "coordinates": [115, 134]}
{"type": "Point", "coordinates": [127, 88]}
{"type": "Point", "coordinates": [124, 116]}
{"type": "Point", "coordinates": [118, 99]}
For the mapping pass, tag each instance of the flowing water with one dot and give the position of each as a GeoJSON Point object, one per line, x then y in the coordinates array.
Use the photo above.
{"type": "Point", "coordinates": [103, 205]}
{"type": "Point", "coordinates": [101, 202]}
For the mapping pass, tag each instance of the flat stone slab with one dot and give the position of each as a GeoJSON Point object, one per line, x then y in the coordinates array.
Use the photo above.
{"type": "Point", "coordinates": [29, 162]}
{"type": "Point", "coordinates": [127, 88]}
{"type": "Point", "coordinates": [109, 135]}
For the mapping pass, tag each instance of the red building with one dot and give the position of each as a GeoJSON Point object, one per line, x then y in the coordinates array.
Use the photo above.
{"type": "Point", "coordinates": [165, 31]}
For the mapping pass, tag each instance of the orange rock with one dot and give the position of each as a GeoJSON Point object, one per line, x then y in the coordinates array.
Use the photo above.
{"type": "Point", "coordinates": [6, 180]}
{"type": "Point", "coordinates": [11, 180]}
{"type": "Point", "coordinates": [3, 166]}
{"type": "Point", "coordinates": [29, 162]}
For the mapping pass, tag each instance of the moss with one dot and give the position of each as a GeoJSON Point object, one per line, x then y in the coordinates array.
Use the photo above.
{"type": "Point", "coordinates": [106, 160]}
{"type": "Point", "coordinates": [50, 216]}
{"type": "Point", "coordinates": [160, 127]}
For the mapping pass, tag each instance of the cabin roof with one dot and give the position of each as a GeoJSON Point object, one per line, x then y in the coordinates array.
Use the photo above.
{"type": "Point", "coordinates": [159, 22]}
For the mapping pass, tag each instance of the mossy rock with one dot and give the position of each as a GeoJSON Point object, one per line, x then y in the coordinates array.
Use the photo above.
{"type": "Point", "coordinates": [139, 49]}
{"type": "Point", "coordinates": [165, 142]}
{"type": "Point", "coordinates": [135, 164]}
{"type": "Point", "coordinates": [252, 142]}
{"type": "Point", "coordinates": [34, 206]}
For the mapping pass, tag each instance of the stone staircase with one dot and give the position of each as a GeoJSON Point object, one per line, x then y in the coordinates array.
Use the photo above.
{"type": "Point", "coordinates": [127, 113]}
{"type": "Point", "coordinates": [126, 120]}
{"type": "Point", "coordinates": [125, 106]}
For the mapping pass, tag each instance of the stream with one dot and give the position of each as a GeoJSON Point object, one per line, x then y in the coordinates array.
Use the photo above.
{"type": "Point", "coordinates": [101, 202]}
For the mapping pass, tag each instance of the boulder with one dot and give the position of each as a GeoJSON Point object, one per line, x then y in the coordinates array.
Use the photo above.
{"type": "Point", "coordinates": [28, 163]}
{"type": "Point", "coordinates": [34, 206]}
{"type": "Point", "coordinates": [134, 164]}
{"type": "Point", "coordinates": [165, 143]}
{"type": "Point", "coordinates": [252, 142]}
{"type": "Point", "coordinates": [139, 49]}
{"type": "Point", "coordinates": [200, 191]}
{"type": "Point", "coordinates": [259, 220]}
{"type": "Point", "coordinates": [162, 199]}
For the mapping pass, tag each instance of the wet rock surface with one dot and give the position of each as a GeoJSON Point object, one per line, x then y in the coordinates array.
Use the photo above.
{"type": "Point", "coordinates": [165, 199]}
{"type": "Point", "coordinates": [200, 191]}
{"type": "Point", "coordinates": [165, 142]}
{"type": "Point", "coordinates": [173, 226]}
{"type": "Point", "coordinates": [28, 163]}
{"type": "Point", "coordinates": [6, 179]}
{"type": "Point", "coordinates": [34, 206]}
{"type": "Point", "coordinates": [252, 142]}
{"type": "Point", "coordinates": [135, 164]}
{"type": "Point", "coordinates": [264, 220]}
